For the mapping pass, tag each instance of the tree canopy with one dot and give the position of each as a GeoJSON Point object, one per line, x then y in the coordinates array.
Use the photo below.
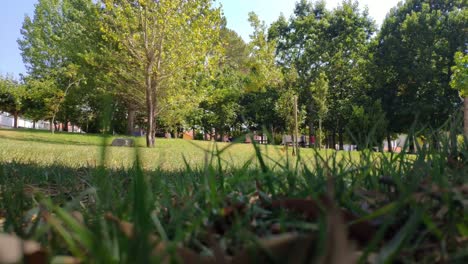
{"type": "Point", "coordinates": [173, 65]}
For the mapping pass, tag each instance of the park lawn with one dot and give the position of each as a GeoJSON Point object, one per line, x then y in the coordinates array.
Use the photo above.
{"type": "Point", "coordinates": [399, 208]}
{"type": "Point", "coordinates": [83, 150]}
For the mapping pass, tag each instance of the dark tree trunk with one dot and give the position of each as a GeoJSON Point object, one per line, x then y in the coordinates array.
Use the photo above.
{"type": "Point", "coordinates": [34, 124]}
{"type": "Point", "coordinates": [15, 119]}
{"type": "Point", "coordinates": [130, 121]}
{"type": "Point", "coordinates": [412, 148]}
{"type": "Point", "coordinates": [340, 139]}
{"type": "Point", "coordinates": [465, 117]}
{"type": "Point", "coordinates": [435, 142]}
{"type": "Point", "coordinates": [150, 126]}
{"type": "Point", "coordinates": [310, 111]}
{"type": "Point", "coordinates": [333, 139]}
{"type": "Point", "coordinates": [389, 143]}
{"type": "Point", "coordinates": [65, 126]}
{"type": "Point", "coordinates": [272, 140]}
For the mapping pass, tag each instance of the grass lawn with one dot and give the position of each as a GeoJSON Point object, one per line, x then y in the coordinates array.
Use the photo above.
{"type": "Point", "coordinates": [81, 150]}
{"type": "Point", "coordinates": [251, 207]}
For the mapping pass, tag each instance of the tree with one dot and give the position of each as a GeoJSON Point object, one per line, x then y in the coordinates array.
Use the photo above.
{"type": "Point", "coordinates": [316, 40]}
{"type": "Point", "coordinates": [302, 44]}
{"type": "Point", "coordinates": [11, 98]}
{"type": "Point", "coordinates": [320, 94]}
{"type": "Point", "coordinates": [367, 125]}
{"type": "Point", "coordinates": [414, 54]}
{"type": "Point", "coordinates": [58, 47]}
{"type": "Point", "coordinates": [223, 84]}
{"type": "Point", "coordinates": [350, 31]}
{"type": "Point", "coordinates": [459, 82]}
{"type": "Point", "coordinates": [263, 71]}
{"type": "Point", "coordinates": [160, 40]}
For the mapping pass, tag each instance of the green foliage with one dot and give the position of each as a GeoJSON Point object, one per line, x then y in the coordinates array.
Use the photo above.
{"type": "Point", "coordinates": [317, 41]}
{"type": "Point", "coordinates": [258, 113]}
{"type": "Point", "coordinates": [263, 71]}
{"type": "Point", "coordinates": [415, 51]}
{"type": "Point", "coordinates": [159, 43]}
{"type": "Point", "coordinates": [175, 65]}
{"type": "Point", "coordinates": [59, 46]}
{"type": "Point", "coordinates": [12, 97]}
{"type": "Point", "coordinates": [459, 76]}
{"type": "Point", "coordinates": [319, 90]}
{"type": "Point", "coordinates": [367, 126]}
{"type": "Point", "coordinates": [320, 94]}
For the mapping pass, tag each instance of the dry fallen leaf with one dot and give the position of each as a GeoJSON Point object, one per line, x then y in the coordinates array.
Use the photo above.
{"type": "Point", "coordinates": [127, 228]}
{"type": "Point", "coordinates": [14, 250]}
{"type": "Point", "coordinates": [185, 255]}
{"type": "Point", "coordinates": [78, 216]}
{"type": "Point", "coordinates": [362, 231]}
{"type": "Point", "coordinates": [339, 249]}
{"type": "Point", "coordinates": [285, 248]}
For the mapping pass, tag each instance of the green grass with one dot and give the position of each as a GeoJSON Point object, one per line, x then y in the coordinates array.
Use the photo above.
{"type": "Point", "coordinates": [80, 150]}
{"type": "Point", "coordinates": [415, 203]}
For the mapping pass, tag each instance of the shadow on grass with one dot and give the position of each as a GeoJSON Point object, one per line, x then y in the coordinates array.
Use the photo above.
{"type": "Point", "coordinates": [49, 141]}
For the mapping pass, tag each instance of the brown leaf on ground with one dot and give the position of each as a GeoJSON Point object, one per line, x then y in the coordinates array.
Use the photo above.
{"type": "Point", "coordinates": [185, 255]}
{"type": "Point", "coordinates": [78, 217]}
{"type": "Point", "coordinates": [227, 215]}
{"type": "Point", "coordinates": [218, 252]}
{"type": "Point", "coordinates": [339, 249]}
{"type": "Point", "coordinates": [463, 189]}
{"type": "Point", "coordinates": [14, 250]}
{"type": "Point", "coordinates": [286, 248]}
{"type": "Point", "coordinates": [127, 228]}
{"type": "Point", "coordinates": [362, 231]}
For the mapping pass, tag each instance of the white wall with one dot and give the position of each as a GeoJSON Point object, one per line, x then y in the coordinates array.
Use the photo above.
{"type": "Point", "coordinates": [6, 120]}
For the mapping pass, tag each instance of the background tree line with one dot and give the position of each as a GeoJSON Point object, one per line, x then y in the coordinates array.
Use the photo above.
{"type": "Point", "coordinates": [173, 65]}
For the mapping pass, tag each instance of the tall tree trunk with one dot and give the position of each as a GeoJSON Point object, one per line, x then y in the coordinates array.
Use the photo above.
{"type": "Point", "coordinates": [340, 139]}
{"type": "Point", "coordinates": [65, 126]}
{"type": "Point", "coordinates": [15, 119]}
{"type": "Point", "coordinates": [296, 126]}
{"type": "Point", "coordinates": [389, 143]}
{"type": "Point", "coordinates": [130, 121]}
{"type": "Point", "coordinates": [272, 134]}
{"type": "Point", "coordinates": [435, 141]}
{"type": "Point", "coordinates": [465, 126]}
{"type": "Point", "coordinates": [333, 139]}
{"type": "Point", "coordinates": [319, 138]}
{"type": "Point", "coordinates": [310, 110]}
{"type": "Point", "coordinates": [150, 129]}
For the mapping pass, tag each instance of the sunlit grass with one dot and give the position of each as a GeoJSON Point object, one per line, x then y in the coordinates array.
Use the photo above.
{"type": "Point", "coordinates": [180, 190]}
{"type": "Point", "coordinates": [80, 150]}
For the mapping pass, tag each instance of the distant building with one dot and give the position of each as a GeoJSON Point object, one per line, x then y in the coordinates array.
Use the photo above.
{"type": "Point", "coordinates": [7, 121]}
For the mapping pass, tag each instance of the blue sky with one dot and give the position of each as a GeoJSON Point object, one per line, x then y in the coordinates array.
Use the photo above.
{"type": "Point", "coordinates": [12, 14]}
